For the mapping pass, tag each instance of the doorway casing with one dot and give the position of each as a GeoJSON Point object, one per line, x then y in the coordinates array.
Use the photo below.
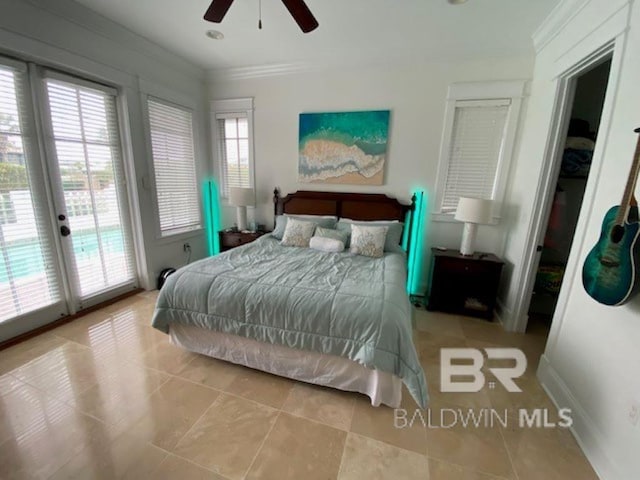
{"type": "Point", "coordinates": [564, 95]}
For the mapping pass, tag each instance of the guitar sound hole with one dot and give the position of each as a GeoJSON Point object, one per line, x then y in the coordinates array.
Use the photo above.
{"type": "Point", "coordinates": [617, 233]}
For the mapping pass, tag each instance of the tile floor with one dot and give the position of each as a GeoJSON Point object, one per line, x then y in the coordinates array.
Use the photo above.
{"type": "Point", "coordinates": [107, 396]}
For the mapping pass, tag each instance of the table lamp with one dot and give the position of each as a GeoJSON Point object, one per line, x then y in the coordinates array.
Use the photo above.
{"type": "Point", "coordinates": [473, 212]}
{"type": "Point", "coordinates": [241, 198]}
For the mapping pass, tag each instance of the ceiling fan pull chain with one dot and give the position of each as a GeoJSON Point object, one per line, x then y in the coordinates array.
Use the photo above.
{"type": "Point", "coordinates": [260, 14]}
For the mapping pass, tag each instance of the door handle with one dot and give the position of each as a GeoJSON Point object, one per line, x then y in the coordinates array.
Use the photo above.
{"type": "Point", "coordinates": [65, 231]}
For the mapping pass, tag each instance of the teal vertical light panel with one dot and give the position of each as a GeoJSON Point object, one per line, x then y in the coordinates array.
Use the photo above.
{"type": "Point", "coordinates": [415, 260]}
{"type": "Point", "coordinates": [212, 215]}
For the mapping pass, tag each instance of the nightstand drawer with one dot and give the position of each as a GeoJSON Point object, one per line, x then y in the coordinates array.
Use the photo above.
{"type": "Point", "coordinates": [234, 239]}
{"type": "Point", "coordinates": [229, 240]}
{"type": "Point", "coordinates": [455, 265]}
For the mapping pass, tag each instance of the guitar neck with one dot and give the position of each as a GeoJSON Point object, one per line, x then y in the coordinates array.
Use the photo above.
{"type": "Point", "coordinates": [631, 185]}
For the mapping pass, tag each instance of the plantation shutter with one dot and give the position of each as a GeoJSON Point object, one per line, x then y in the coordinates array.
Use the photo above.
{"type": "Point", "coordinates": [28, 279]}
{"type": "Point", "coordinates": [476, 147]}
{"type": "Point", "coordinates": [175, 169]}
{"type": "Point", "coordinates": [233, 150]}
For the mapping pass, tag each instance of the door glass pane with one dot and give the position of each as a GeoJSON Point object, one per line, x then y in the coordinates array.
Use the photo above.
{"type": "Point", "coordinates": [27, 264]}
{"type": "Point", "coordinates": [87, 147]}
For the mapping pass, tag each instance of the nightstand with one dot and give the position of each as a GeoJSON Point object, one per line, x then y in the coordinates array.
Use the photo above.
{"type": "Point", "coordinates": [229, 239]}
{"type": "Point", "coordinates": [466, 285]}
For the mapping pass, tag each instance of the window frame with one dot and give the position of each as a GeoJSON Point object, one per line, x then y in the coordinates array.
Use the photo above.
{"type": "Point", "coordinates": [225, 108]}
{"type": "Point", "coordinates": [150, 181]}
{"type": "Point", "coordinates": [490, 92]}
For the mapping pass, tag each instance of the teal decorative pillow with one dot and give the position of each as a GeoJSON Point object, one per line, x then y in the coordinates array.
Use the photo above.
{"type": "Point", "coordinates": [297, 233]}
{"type": "Point", "coordinates": [368, 240]}
{"type": "Point", "coordinates": [331, 233]}
{"type": "Point", "coordinates": [281, 224]}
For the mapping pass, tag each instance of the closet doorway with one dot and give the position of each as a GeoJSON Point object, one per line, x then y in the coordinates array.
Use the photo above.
{"type": "Point", "coordinates": [571, 181]}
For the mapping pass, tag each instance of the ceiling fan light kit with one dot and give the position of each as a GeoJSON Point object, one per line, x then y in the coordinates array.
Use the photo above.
{"type": "Point", "coordinates": [297, 8]}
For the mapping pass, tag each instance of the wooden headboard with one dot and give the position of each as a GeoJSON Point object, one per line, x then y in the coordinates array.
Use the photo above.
{"type": "Point", "coordinates": [356, 206]}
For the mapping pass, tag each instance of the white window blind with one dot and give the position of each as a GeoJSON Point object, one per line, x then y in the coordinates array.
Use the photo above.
{"type": "Point", "coordinates": [475, 151]}
{"type": "Point", "coordinates": [176, 182]}
{"type": "Point", "coordinates": [232, 121]}
{"type": "Point", "coordinates": [28, 278]}
{"type": "Point", "coordinates": [233, 150]}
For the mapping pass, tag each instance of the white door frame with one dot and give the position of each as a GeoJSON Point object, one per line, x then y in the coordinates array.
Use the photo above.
{"type": "Point", "coordinates": [565, 90]}
{"type": "Point", "coordinates": [75, 300]}
{"type": "Point", "coordinates": [41, 195]}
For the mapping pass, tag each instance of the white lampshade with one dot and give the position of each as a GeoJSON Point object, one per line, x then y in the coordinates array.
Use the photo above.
{"type": "Point", "coordinates": [241, 197]}
{"type": "Point", "coordinates": [474, 210]}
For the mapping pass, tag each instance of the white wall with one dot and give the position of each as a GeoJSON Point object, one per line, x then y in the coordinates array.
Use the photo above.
{"type": "Point", "coordinates": [592, 360]}
{"type": "Point", "coordinates": [68, 36]}
{"type": "Point", "coordinates": [416, 97]}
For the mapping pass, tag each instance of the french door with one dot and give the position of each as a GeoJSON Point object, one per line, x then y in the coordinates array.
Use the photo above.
{"type": "Point", "coordinates": [65, 237]}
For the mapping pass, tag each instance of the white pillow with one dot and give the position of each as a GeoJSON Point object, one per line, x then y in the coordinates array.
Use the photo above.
{"type": "Point", "coordinates": [297, 233]}
{"type": "Point", "coordinates": [368, 240]}
{"type": "Point", "coordinates": [326, 244]}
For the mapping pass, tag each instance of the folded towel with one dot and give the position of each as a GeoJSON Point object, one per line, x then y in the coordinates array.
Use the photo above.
{"type": "Point", "coordinates": [325, 244]}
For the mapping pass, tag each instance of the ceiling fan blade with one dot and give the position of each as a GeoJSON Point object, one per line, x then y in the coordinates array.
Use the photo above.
{"type": "Point", "coordinates": [217, 10]}
{"type": "Point", "coordinates": [301, 14]}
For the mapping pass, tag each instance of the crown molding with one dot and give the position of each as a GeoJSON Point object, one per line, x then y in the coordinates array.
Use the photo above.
{"type": "Point", "coordinates": [563, 14]}
{"type": "Point", "coordinates": [298, 68]}
{"type": "Point", "coordinates": [555, 22]}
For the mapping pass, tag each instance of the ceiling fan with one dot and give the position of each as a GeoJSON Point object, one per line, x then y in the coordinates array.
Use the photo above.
{"type": "Point", "coordinates": [297, 8]}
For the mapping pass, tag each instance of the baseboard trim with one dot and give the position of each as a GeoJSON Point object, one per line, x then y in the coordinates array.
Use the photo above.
{"type": "Point", "coordinates": [501, 313]}
{"type": "Point", "coordinates": [584, 429]}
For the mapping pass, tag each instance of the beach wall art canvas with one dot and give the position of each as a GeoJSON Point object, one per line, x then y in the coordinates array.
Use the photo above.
{"type": "Point", "coordinates": [343, 147]}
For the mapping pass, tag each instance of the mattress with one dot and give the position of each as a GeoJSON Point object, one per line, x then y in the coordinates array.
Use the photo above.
{"type": "Point", "coordinates": [311, 367]}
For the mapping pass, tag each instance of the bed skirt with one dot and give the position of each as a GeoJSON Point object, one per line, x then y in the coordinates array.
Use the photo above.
{"type": "Point", "coordinates": [311, 367]}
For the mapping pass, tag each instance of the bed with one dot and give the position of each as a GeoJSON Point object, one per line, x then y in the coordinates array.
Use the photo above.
{"type": "Point", "coordinates": [335, 319]}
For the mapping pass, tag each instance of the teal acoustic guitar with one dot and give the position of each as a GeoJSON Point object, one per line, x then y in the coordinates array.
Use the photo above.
{"type": "Point", "coordinates": [610, 274]}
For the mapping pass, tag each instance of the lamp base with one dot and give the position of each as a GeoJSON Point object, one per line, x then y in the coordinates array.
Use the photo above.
{"type": "Point", "coordinates": [469, 239]}
{"type": "Point", "coordinates": [241, 217]}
